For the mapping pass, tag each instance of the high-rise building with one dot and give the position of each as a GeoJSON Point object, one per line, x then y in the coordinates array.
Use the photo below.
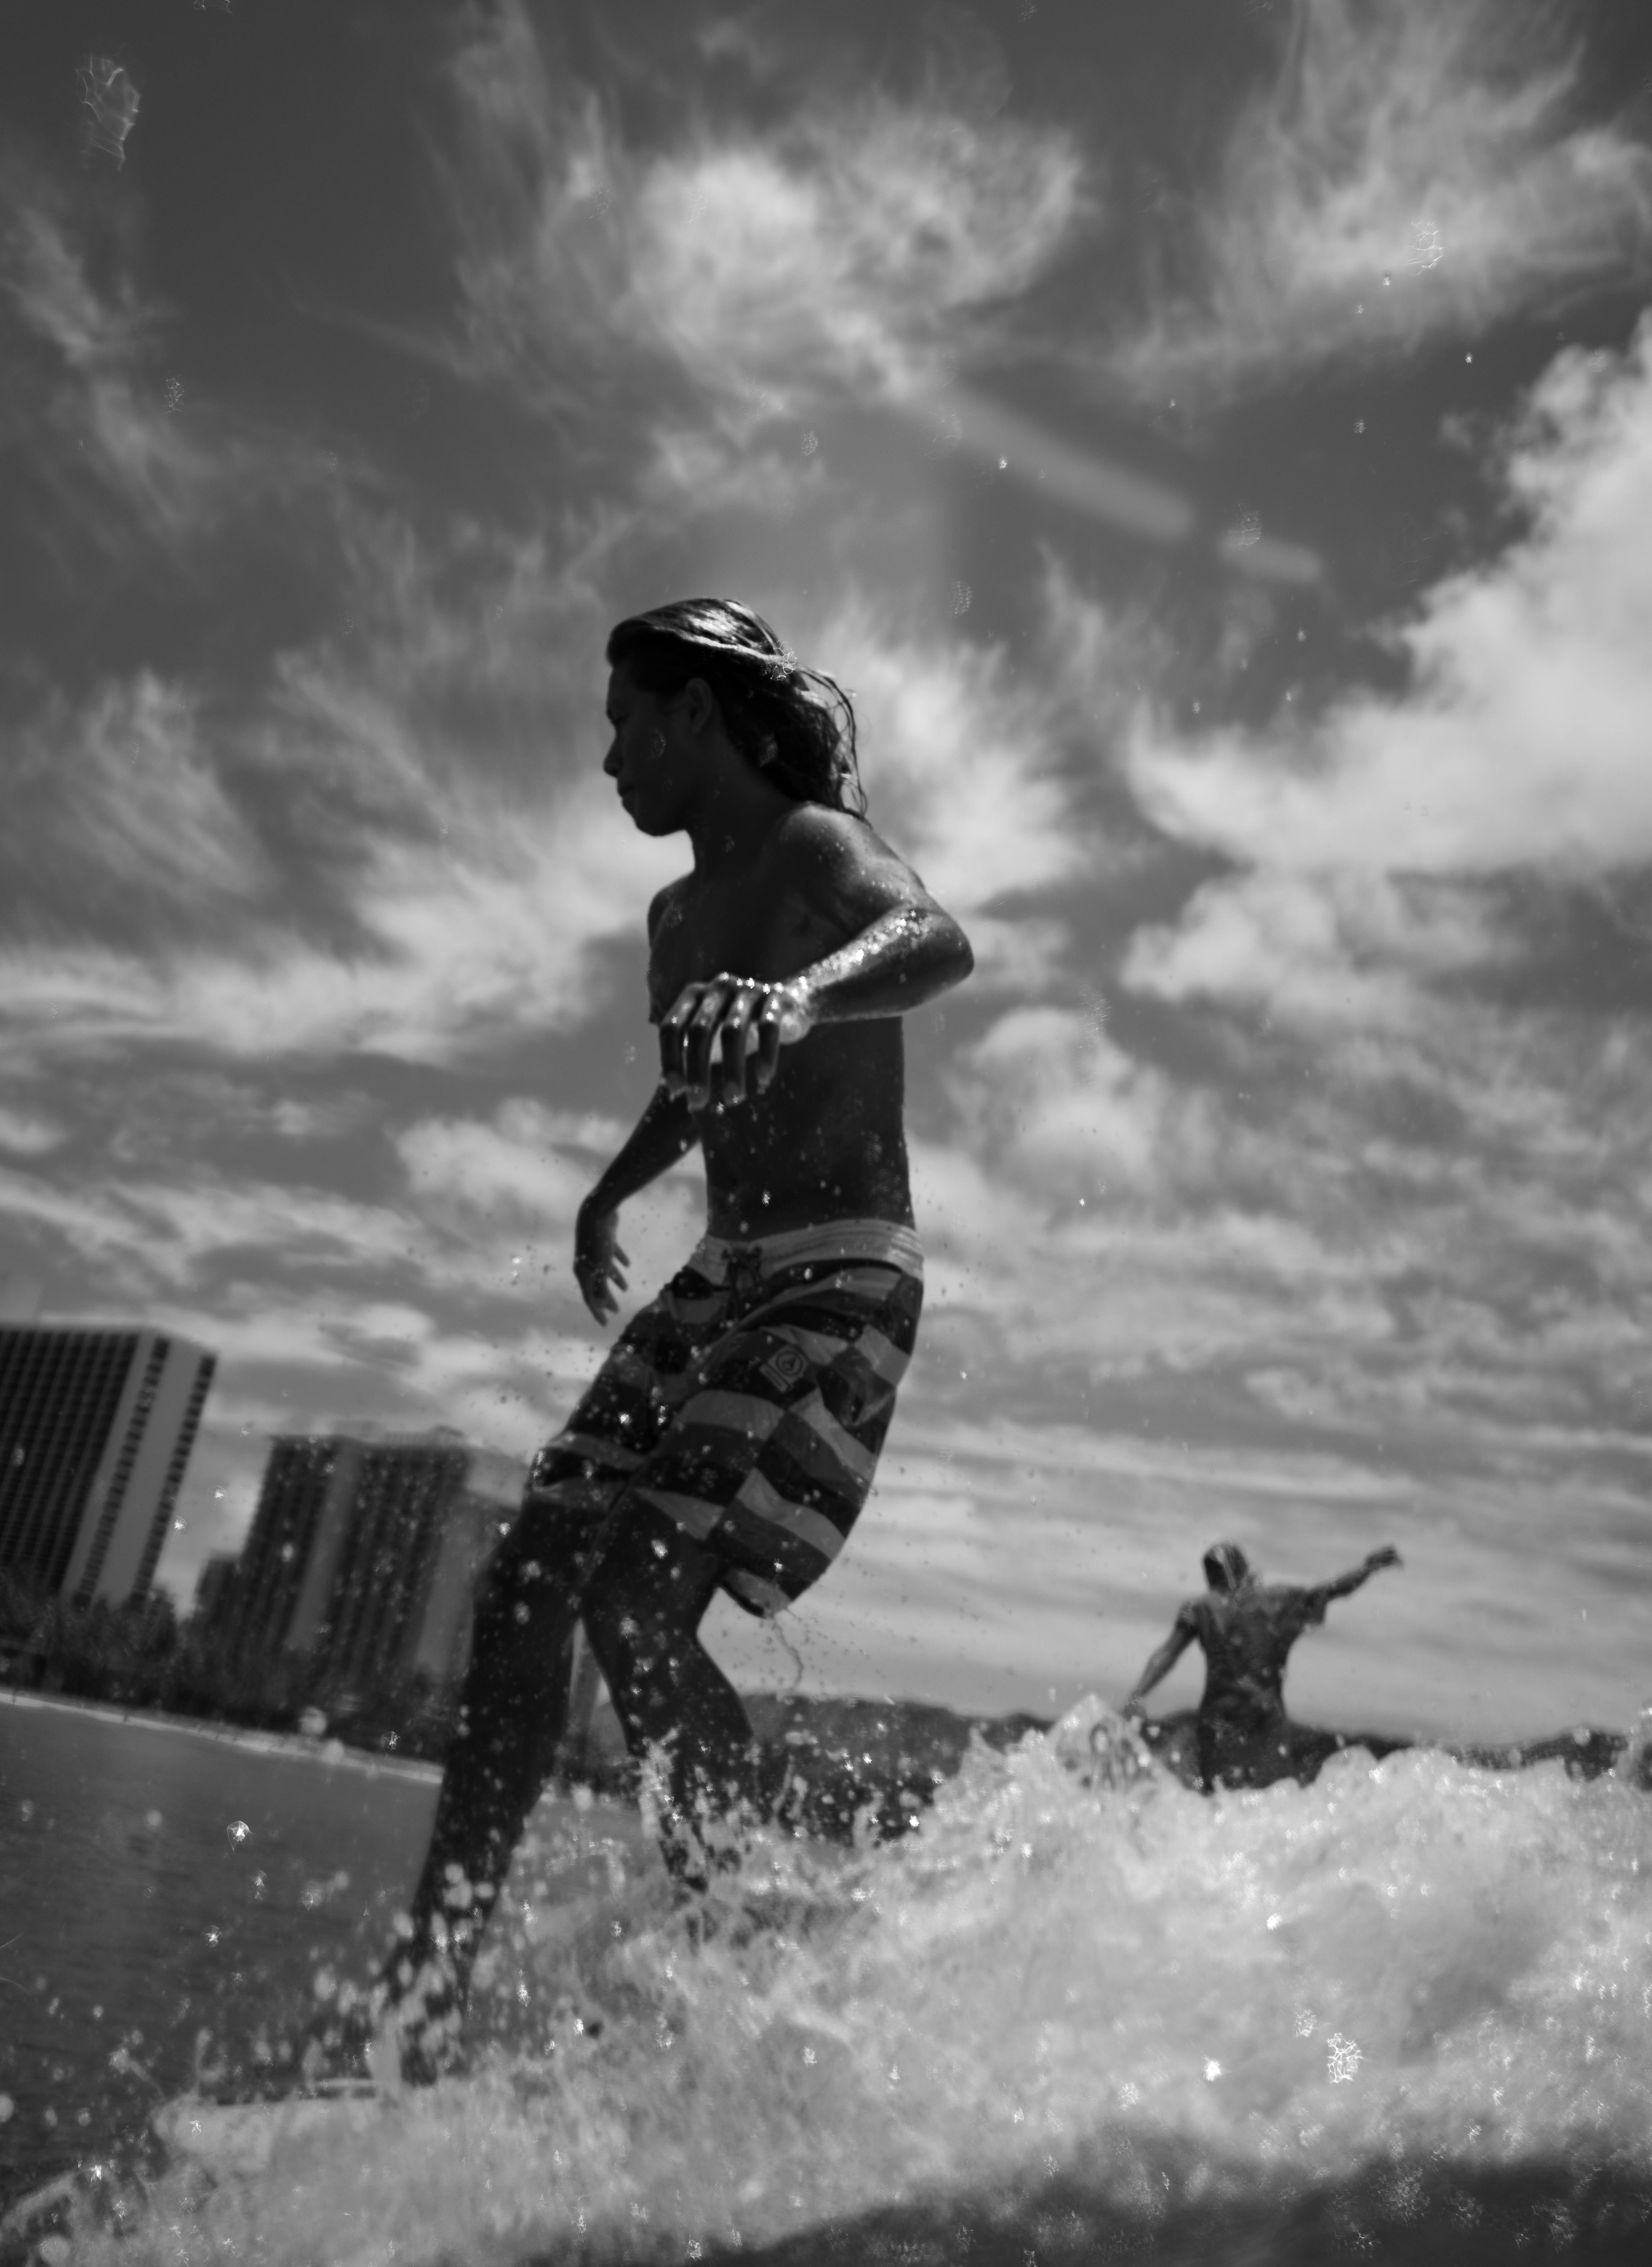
{"type": "Point", "coordinates": [365, 1550]}
{"type": "Point", "coordinates": [476, 1519]}
{"type": "Point", "coordinates": [214, 1586]}
{"type": "Point", "coordinates": [96, 1426]}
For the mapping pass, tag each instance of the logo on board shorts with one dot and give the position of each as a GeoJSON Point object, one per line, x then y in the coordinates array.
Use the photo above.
{"type": "Point", "coordinates": [785, 1368]}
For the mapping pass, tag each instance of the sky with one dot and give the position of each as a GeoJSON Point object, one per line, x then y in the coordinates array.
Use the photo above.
{"type": "Point", "coordinates": [1212, 439]}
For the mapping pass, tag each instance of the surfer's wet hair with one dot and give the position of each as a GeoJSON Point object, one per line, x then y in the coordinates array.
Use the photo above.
{"type": "Point", "coordinates": [1226, 1567]}
{"type": "Point", "coordinates": [795, 724]}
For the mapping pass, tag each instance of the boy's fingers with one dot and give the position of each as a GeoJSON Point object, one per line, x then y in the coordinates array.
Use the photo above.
{"type": "Point", "coordinates": [729, 1054]}
{"type": "Point", "coordinates": [697, 1042]}
{"type": "Point", "coordinates": [768, 1043]}
{"type": "Point", "coordinates": [674, 1038]}
{"type": "Point", "coordinates": [737, 1044]}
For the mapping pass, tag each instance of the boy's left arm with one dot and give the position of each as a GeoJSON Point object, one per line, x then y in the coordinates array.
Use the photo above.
{"type": "Point", "coordinates": [902, 949]}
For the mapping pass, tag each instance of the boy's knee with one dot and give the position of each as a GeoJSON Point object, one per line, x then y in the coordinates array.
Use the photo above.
{"type": "Point", "coordinates": [523, 1595]}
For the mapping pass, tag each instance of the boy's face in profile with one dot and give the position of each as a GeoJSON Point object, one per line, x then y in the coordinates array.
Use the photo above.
{"type": "Point", "coordinates": [649, 759]}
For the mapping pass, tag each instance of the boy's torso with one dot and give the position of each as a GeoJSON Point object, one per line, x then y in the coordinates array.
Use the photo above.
{"type": "Point", "coordinates": [826, 1142]}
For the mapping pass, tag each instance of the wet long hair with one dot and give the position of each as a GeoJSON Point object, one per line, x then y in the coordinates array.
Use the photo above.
{"type": "Point", "coordinates": [795, 724]}
{"type": "Point", "coordinates": [1226, 1568]}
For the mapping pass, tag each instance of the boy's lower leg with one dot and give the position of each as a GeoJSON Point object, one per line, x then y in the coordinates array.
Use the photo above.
{"type": "Point", "coordinates": [642, 1613]}
{"type": "Point", "coordinates": [513, 1712]}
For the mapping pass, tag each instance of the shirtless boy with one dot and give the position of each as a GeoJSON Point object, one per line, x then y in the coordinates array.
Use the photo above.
{"type": "Point", "coordinates": [729, 1441]}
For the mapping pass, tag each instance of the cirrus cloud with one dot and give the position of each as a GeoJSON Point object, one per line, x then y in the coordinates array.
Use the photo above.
{"type": "Point", "coordinates": [851, 244]}
{"type": "Point", "coordinates": [1415, 169]}
{"type": "Point", "coordinates": [1516, 745]}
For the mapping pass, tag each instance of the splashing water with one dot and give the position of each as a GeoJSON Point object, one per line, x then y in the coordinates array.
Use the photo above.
{"type": "Point", "coordinates": [1078, 2005]}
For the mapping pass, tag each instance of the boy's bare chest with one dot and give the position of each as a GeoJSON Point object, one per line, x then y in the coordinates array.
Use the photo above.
{"type": "Point", "coordinates": [705, 931]}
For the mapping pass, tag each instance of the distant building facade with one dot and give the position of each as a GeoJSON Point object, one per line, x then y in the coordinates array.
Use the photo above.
{"type": "Point", "coordinates": [213, 1586]}
{"type": "Point", "coordinates": [96, 1427]}
{"type": "Point", "coordinates": [364, 1554]}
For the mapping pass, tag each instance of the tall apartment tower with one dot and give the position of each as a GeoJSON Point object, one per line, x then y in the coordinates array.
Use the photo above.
{"type": "Point", "coordinates": [96, 1426]}
{"type": "Point", "coordinates": [365, 1550]}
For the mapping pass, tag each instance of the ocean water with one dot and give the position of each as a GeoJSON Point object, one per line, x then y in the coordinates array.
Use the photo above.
{"type": "Point", "coordinates": [161, 1885]}
{"type": "Point", "coordinates": [1405, 2013]}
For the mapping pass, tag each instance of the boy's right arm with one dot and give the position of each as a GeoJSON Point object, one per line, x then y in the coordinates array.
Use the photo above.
{"type": "Point", "coordinates": [1182, 1632]}
{"type": "Point", "coordinates": [665, 1132]}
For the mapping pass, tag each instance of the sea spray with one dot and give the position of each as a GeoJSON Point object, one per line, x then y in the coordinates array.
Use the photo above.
{"type": "Point", "coordinates": [1128, 1998]}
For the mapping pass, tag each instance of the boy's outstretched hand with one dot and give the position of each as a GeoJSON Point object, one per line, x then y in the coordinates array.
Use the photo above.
{"type": "Point", "coordinates": [718, 1030]}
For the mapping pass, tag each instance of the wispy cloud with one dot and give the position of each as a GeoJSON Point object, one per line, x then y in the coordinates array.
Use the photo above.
{"type": "Point", "coordinates": [852, 246]}
{"type": "Point", "coordinates": [86, 386]}
{"type": "Point", "coordinates": [1414, 170]}
{"type": "Point", "coordinates": [1517, 745]}
{"type": "Point", "coordinates": [122, 793]}
{"type": "Point", "coordinates": [29, 1133]}
{"type": "Point", "coordinates": [970, 769]}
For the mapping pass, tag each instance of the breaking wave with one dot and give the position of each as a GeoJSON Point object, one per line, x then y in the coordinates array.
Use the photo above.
{"type": "Point", "coordinates": [1408, 2006]}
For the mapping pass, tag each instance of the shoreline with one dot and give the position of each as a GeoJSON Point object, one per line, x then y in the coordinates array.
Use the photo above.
{"type": "Point", "coordinates": [333, 1752]}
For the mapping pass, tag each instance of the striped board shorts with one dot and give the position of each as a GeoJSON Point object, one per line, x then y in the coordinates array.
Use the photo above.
{"type": "Point", "coordinates": [749, 1402]}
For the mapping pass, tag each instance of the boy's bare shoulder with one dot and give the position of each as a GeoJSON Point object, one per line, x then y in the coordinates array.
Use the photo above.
{"type": "Point", "coordinates": [665, 901]}
{"type": "Point", "coordinates": [810, 836]}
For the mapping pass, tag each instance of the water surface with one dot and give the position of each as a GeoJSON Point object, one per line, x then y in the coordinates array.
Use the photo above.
{"type": "Point", "coordinates": [1405, 2013]}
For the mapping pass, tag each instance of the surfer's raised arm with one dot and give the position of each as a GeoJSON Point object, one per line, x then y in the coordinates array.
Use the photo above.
{"type": "Point", "coordinates": [1374, 1561]}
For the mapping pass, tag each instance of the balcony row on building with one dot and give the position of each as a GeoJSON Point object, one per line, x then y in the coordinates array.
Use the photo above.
{"type": "Point", "coordinates": [96, 1427]}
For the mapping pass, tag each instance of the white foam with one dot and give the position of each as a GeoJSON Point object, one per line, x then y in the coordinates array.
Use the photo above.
{"type": "Point", "coordinates": [1407, 1962]}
